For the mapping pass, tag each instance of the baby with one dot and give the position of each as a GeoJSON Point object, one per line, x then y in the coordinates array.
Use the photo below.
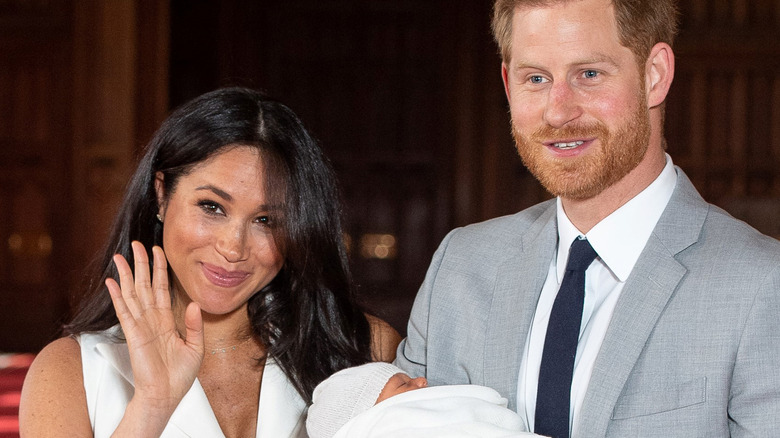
{"type": "Point", "coordinates": [380, 400]}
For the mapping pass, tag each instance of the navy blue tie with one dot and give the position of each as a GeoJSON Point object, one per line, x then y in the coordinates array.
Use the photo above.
{"type": "Point", "coordinates": [553, 394]}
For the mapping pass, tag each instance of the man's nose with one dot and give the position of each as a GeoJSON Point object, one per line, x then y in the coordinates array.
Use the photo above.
{"type": "Point", "coordinates": [563, 105]}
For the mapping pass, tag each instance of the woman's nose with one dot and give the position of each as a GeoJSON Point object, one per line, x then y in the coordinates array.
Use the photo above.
{"type": "Point", "coordinates": [231, 243]}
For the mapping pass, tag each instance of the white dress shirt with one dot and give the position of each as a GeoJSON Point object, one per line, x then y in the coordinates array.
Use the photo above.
{"type": "Point", "coordinates": [618, 240]}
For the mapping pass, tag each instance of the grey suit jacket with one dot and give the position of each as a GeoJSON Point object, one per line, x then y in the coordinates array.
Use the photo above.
{"type": "Point", "coordinates": [693, 348]}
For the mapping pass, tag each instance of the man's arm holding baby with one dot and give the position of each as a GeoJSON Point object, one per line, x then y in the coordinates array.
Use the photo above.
{"type": "Point", "coordinates": [412, 351]}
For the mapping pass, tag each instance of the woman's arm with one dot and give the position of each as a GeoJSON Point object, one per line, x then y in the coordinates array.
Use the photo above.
{"type": "Point", "coordinates": [54, 403]}
{"type": "Point", "coordinates": [384, 339]}
{"type": "Point", "coordinates": [164, 365]}
{"type": "Point", "coordinates": [53, 400]}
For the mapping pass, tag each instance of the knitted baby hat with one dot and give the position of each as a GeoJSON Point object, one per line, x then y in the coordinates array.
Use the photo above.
{"type": "Point", "coordinates": [346, 394]}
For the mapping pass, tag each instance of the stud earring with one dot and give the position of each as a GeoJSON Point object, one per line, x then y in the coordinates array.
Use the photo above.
{"type": "Point", "coordinates": [159, 218]}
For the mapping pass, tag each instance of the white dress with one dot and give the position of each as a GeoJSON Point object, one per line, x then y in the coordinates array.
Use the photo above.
{"type": "Point", "coordinates": [108, 382]}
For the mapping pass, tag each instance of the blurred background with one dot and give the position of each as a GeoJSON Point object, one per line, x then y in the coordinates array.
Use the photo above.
{"type": "Point", "coordinates": [405, 97]}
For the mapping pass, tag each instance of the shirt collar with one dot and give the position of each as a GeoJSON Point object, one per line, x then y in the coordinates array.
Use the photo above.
{"type": "Point", "coordinates": [620, 237]}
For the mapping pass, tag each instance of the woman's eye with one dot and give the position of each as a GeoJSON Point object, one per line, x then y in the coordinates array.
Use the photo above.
{"type": "Point", "coordinates": [210, 207]}
{"type": "Point", "coordinates": [263, 220]}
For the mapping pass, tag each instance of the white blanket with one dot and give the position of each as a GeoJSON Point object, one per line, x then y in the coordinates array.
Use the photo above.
{"type": "Point", "coordinates": [439, 411]}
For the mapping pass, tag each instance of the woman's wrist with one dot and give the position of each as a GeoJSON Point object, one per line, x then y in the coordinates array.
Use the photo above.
{"type": "Point", "coordinates": [145, 418]}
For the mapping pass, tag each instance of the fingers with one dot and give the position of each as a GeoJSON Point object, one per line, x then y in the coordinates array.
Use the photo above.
{"type": "Point", "coordinates": [127, 285]}
{"type": "Point", "coordinates": [137, 290]}
{"type": "Point", "coordinates": [120, 306]}
{"type": "Point", "coordinates": [143, 279]}
{"type": "Point", "coordinates": [160, 279]}
{"type": "Point", "coordinates": [193, 322]}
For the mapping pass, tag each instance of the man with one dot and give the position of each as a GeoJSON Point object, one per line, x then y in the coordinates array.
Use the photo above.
{"type": "Point", "coordinates": [680, 325]}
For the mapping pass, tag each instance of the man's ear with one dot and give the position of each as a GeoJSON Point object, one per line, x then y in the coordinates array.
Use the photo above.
{"type": "Point", "coordinates": [505, 78]}
{"type": "Point", "coordinates": [159, 188]}
{"type": "Point", "coordinates": [659, 73]}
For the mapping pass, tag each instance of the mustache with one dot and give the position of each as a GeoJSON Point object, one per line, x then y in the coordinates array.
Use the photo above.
{"type": "Point", "coordinates": [581, 130]}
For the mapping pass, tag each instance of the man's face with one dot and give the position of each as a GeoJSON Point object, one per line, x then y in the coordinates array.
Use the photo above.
{"type": "Point", "coordinates": [579, 110]}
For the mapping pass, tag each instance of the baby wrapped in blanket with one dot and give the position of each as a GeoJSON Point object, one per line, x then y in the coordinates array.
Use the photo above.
{"type": "Point", "coordinates": [379, 400]}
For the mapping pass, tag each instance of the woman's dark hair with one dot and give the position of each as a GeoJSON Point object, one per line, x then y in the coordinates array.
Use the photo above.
{"type": "Point", "coordinates": [307, 316]}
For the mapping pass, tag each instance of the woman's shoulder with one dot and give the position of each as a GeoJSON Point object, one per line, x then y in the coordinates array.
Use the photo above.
{"type": "Point", "coordinates": [53, 397]}
{"type": "Point", "coordinates": [61, 357]}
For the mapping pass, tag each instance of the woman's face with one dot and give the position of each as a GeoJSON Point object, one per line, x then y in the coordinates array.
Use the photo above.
{"type": "Point", "coordinates": [216, 233]}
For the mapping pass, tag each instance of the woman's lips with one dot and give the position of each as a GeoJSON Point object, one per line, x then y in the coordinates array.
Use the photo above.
{"type": "Point", "coordinates": [222, 277]}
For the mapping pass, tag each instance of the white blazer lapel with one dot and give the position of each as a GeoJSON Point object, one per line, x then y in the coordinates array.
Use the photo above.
{"type": "Point", "coordinates": [281, 409]}
{"type": "Point", "coordinates": [192, 418]}
{"type": "Point", "coordinates": [109, 391]}
{"type": "Point", "coordinates": [118, 356]}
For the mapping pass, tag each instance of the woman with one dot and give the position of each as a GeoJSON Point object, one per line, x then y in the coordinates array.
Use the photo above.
{"type": "Point", "coordinates": [253, 307]}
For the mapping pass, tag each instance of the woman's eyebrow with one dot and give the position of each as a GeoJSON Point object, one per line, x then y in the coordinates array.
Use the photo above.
{"type": "Point", "coordinates": [226, 196]}
{"type": "Point", "coordinates": [217, 191]}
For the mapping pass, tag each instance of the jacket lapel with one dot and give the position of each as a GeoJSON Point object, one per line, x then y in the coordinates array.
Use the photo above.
{"type": "Point", "coordinates": [519, 280]}
{"type": "Point", "coordinates": [281, 409]}
{"type": "Point", "coordinates": [192, 418]}
{"type": "Point", "coordinates": [651, 284]}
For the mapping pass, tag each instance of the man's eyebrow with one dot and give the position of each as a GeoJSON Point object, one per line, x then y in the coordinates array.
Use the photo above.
{"type": "Point", "coordinates": [594, 59]}
{"type": "Point", "coordinates": [520, 64]}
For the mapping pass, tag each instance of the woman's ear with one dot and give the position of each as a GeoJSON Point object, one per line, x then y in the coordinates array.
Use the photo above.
{"type": "Point", "coordinates": [159, 188]}
{"type": "Point", "coordinates": [659, 73]}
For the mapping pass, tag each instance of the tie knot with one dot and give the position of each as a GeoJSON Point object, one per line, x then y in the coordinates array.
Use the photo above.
{"type": "Point", "coordinates": [581, 255]}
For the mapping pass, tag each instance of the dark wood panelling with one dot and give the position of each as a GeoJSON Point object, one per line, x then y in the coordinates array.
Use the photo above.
{"type": "Point", "coordinates": [405, 97]}
{"type": "Point", "coordinates": [408, 102]}
{"type": "Point", "coordinates": [79, 83]}
{"type": "Point", "coordinates": [723, 121]}
{"type": "Point", "coordinates": [35, 41]}
{"type": "Point", "coordinates": [373, 81]}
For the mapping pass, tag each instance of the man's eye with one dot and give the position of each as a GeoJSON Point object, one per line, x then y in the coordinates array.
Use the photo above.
{"type": "Point", "coordinates": [537, 79]}
{"type": "Point", "coordinates": [590, 74]}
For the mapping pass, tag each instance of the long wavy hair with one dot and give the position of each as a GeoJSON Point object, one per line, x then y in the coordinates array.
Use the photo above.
{"type": "Point", "coordinates": [307, 316]}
